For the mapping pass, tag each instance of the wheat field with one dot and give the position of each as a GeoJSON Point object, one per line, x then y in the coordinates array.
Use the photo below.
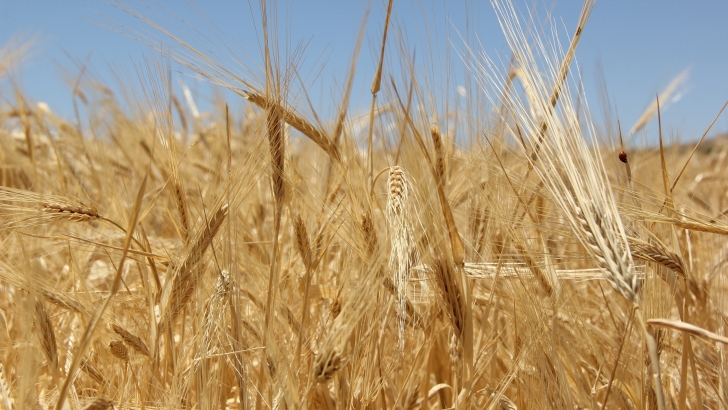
{"type": "Point", "coordinates": [513, 254]}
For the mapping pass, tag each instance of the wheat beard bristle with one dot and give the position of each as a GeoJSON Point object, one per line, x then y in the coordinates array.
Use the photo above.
{"type": "Point", "coordinates": [401, 240]}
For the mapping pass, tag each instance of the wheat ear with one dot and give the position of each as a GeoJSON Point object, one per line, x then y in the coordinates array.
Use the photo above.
{"type": "Point", "coordinates": [401, 239]}
{"type": "Point", "coordinates": [185, 274]}
{"type": "Point", "coordinates": [99, 403]}
{"type": "Point", "coordinates": [47, 336]}
{"type": "Point", "coordinates": [76, 211]}
{"type": "Point", "coordinates": [119, 350]}
{"type": "Point", "coordinates": [293, 119]}
{"type": "Point", "coordinates": [92, 372]}
{"type": "Point", "coordinates": [303, 245]}
{"type": "Point", "coordinates": [135, 342]}
{"type": "Point", "coordinates": [451, 294]}
{"type": "Point", "coordinates": [439, 153]}
{"type": "Point", "coordinates": [659, 254]}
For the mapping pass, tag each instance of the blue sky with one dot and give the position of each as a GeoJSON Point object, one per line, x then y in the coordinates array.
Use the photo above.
{"type": "Point", "coordinates": [641, 46]}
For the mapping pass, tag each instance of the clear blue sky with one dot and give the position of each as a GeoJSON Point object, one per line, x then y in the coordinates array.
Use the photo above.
{"type": "Point", "coordinates": [642, 45]}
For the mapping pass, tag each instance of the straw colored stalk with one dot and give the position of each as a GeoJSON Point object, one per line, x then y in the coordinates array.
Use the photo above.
{"type": "Point", "coordinates": [521, 270]}
{"type": "Point", "coordinates": [376, 85]}
{"type": "Point", "coordinates": [401, 239]}
{"type": "Point", "coordinates": [225, 285]}
{"type": "Point", "coordinates": [688, 328]}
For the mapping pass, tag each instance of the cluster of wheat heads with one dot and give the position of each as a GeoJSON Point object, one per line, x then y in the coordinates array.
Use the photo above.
{"type": "Point", "coordinates": [160, 258]}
